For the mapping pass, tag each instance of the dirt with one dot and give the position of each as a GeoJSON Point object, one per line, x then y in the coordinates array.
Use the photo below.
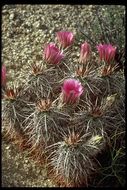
{"type": "Point", "coordinates": [19, 171]}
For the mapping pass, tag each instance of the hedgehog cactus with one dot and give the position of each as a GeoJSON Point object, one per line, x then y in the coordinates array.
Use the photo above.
{"type": "Point", "coordinates": [65, 38]}
{"type": "Point", "coordinates": [52, 54]}
{"type": "Point", "coordinates": [14, 111]}
{"type": "Point", "coordinates": [68, 113]}
{"type": "Point", "coordinates": [85, 52]}
{"type": "Point", "coordinates": [71, 91]}
{"type": "Point", "coordinates": [73, 160]}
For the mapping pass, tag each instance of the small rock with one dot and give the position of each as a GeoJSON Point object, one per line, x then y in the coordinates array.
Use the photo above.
{"type": "Point", "coordinates": [11, 17]}
{"type": "Point", "coordinates": [7, 147]}
{"type": "Point", "coordinates": [26, 161]}
{"type": "Point", "coordinates": [37, 24]}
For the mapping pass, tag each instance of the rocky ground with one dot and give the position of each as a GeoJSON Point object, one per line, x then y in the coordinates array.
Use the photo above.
{"type": "Point", "coordinates": [19, 171]}
{"type": "Point", "coordinates": [25, 29]}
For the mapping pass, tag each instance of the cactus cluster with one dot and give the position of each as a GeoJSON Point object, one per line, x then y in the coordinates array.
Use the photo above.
{"type": "Point", "coordinates": [67, 113]}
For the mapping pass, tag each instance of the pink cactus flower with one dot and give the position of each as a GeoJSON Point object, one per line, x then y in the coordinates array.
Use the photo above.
{"type": "Point", "coordinates": [52, 54]}
{"type": "Point", "coordinates": [71, 91]}
{"type": "Point", "coordinates": [65, 38]}
{"type": "Point", "coordinates": [3, 75]}
{"type": "Point", "coordinates": [106, 52]}
{"type": "Point", "coordinates": [84, 52]}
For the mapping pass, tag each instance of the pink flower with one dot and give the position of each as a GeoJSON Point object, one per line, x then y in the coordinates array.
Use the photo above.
{"type": "Point", "coordinates": [106, 52]}
{"type": "Point", "coordinates": [65, 38]}
{"type": "Point", "coordinates": [3, 75]}
{"type": "Point", "coordinates": [52, 54]}
{"type": "Point", "coordinates": [85, 52]}
{"type": "Point", "coordinates": [71, 91]}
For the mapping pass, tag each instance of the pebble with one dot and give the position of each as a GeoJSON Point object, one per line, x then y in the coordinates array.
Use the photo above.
{"type": "Point", "coordinates": [7, 147]}
{"type": "Point", "coordinates": [11, 17]}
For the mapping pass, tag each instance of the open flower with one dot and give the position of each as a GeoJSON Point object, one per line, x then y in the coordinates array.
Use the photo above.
{"type": "Point", "coordinates": [84, 52]}
{"type": "Point", "coordinates": [65, 38]}
{"type": "Point", "coordinates": [3, 75]}
{"type": "Point", "coordinates": [52, 54]}
{"type": "Point", "coordinates": [106, 52]}
{"type": "Point", "coordinates": [71, 91]}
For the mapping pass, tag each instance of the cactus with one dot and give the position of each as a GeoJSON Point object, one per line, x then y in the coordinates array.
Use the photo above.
{"type": "Point", "coordinates": [72, 161]}
{"type": "Point", "coordinates": [14, 110]}
{"type": "Point", "coordinates": [68, 113]}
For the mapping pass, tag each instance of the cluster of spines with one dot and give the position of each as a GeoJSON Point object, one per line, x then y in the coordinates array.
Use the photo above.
{"type": "Point", "coordinates": [46, 115]}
